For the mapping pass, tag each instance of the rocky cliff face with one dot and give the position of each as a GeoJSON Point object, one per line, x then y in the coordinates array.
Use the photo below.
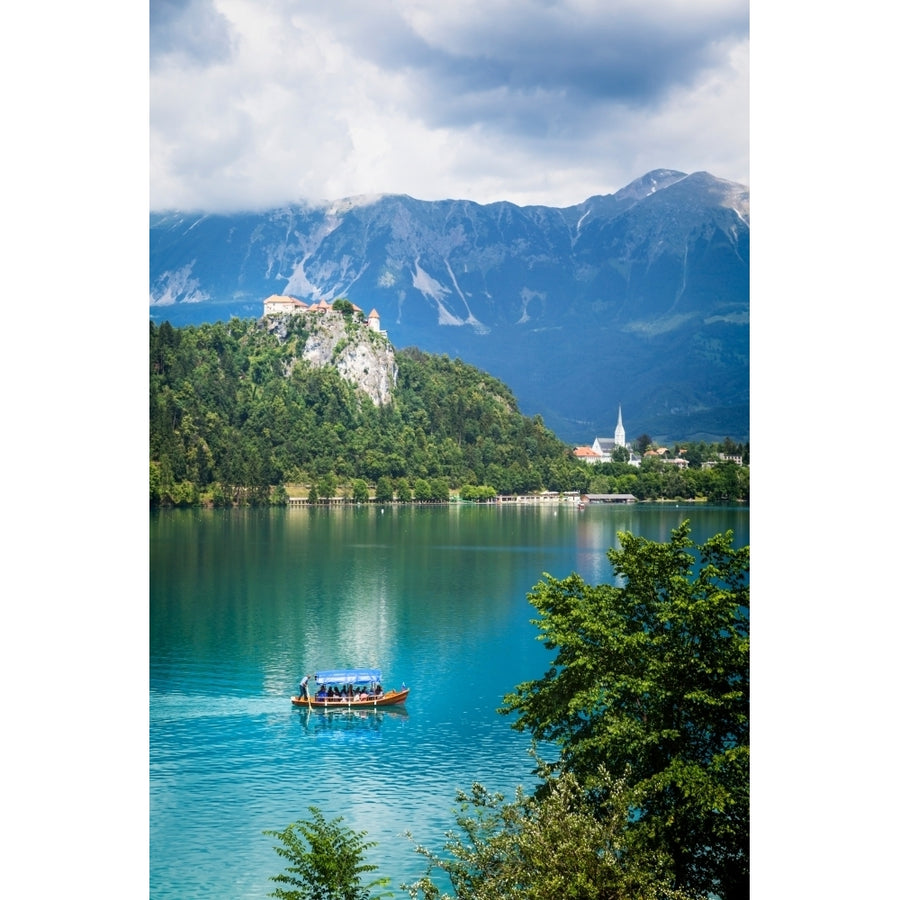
{"type": "Point", "coordinates": [363, 357]}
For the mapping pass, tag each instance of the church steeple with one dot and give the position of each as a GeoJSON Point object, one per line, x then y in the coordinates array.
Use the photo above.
{"type": "Point", "coordinates": [620, 430]}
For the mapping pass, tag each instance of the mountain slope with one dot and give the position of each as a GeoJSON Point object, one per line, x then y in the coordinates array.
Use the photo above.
{"type": "Point", "coordinates": [640, 297]}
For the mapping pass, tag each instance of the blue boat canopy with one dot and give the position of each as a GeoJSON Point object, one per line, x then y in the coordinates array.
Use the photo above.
{"type": "Point", "coordinates": [348, 676]}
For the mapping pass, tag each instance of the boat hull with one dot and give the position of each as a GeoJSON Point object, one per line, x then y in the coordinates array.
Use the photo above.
{"type": "Point", "coordinates": [389, 698]}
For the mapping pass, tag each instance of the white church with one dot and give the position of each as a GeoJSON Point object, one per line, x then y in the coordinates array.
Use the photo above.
{"type": "Point", "coordinates": [601, 450]}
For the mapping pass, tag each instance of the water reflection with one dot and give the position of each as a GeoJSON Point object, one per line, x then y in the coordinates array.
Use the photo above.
{"type": "Point", "coordinates": [348, 720]}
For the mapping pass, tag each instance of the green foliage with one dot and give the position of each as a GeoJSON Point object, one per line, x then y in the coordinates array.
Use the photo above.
{"type": "Point", "coordinates": [477, 493]}
{"type": "Point", "coordinates": [651, 683]}
{"type": "Point", "coordinates": [325, 861]}
{"type": "Point", "coordinates": [699, 452]}
{"type": "Point", "coordinates": [404, 494]}
{"type": "Point", "coordinates": [327, 486]}
{"type": "Point", "coordinates": [723, 482]}
{"type": "Point", "coordinates": [642, 444]}
{"type": "Point", "coordinates": [548, 847]}
{"type": "Point", "coordinates": [440, 489]}
{"type": "Point", "coordinates": [235, 411]}
{"type": "Point", "coordinates": [384, 490]}
{"type": "Point", "coordinates": [154, 484]}
{"type": "Point", "coordinates": [360, 491]}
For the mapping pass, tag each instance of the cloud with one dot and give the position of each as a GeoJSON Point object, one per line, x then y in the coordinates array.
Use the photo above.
{"type": "Point", "coordinates": [192, 30]}
{"type": "Point", "coordinates": [257, 103]}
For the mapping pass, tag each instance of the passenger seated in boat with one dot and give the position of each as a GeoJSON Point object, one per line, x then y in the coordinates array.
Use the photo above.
{"type": "Point", "coordinates": [321, 694]}
{"type": "Point", "coordinates": [378, 690]}
{"type": "Point", "coordinates": [362, 695]}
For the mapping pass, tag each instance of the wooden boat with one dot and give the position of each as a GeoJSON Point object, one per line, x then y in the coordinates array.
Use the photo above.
{"type": "Point", "coordinates": [350, 689]}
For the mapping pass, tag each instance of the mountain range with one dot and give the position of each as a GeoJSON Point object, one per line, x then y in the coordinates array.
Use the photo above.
{"type": "Point", "coordinates": [638, 298]}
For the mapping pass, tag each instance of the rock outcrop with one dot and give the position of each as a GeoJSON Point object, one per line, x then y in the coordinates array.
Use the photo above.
{"type": "Point", "coordinates": [361, 356]}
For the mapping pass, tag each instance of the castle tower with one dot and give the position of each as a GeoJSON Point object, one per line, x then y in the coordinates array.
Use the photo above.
{"type": "Point", "coordinates": [620, 430]}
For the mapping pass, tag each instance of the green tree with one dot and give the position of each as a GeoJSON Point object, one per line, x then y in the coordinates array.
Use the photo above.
{"type": "Point", "coordinates": [404, 492]}
{"type": "Point", "coordinates": [154, 484]}
{"type": "Point", "coordinates": [730, 448]}
{"type": "Point", "coordinates": [384, 490]}
{"type": "Point", "coordinates": [343, 306]}
{"type": "Point", "coordinates": [165, 481]}
{"type": "Point", "coordinates": [642, 444]}
{"type": "Point", "coordinates": [651, 683]}
{"type": "Point", "coordinates": [626, 484]}
{"type": "Point", "coordinates": [360, 491]}
{"type": "Point", "coordinates": [694, 455]}
{"type": "Point", "coordinates": [440, 489]}
{"type": "Point", "coordinates": [728, 483]}
{"type": "Point", "coordinates": [548, 847]}
{"type": "Point", "coordinates": [327, 486]}
{"type": "Point", "coordinates": [480, 493]}
{"type": "Point", "coordinates": [652, 464]}
{"type": "Point", "coordinates": [326, 861]}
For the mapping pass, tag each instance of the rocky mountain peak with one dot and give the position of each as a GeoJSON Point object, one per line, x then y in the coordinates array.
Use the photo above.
{"type": "Point", "coordinates": [640, 297]}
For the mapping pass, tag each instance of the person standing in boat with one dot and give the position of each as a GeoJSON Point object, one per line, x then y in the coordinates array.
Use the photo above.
{"type": "Point", "coordinates": [304, 687]}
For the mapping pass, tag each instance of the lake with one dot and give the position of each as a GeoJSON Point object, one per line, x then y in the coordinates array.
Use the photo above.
{"type": "Point", "coordinates": [243, 603]}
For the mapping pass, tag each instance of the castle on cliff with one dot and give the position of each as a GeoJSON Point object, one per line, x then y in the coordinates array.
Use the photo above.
{"type": "Point", "coordinates": [280, 305]}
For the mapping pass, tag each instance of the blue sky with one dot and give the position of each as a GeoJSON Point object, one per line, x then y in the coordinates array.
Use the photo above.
{"type": "Point", "coordinates": [255, 103]}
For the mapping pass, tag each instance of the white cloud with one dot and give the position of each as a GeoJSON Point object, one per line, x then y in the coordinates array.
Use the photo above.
{"type": "Point", "coordinates": [530, 102]}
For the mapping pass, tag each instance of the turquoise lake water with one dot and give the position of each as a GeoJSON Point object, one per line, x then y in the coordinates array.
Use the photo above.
{"type": "Point", "coordinates": [244, 602]}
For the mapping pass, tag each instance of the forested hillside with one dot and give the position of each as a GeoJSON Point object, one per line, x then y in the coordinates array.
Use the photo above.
{"type": "Point", "coordinates": [236, 414]}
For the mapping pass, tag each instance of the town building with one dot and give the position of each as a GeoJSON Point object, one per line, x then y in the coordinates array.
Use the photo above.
{"type": "Point", "coordinates": [601, 451]}
{"type": "Point", "coordinates": [587, 454]}
{"type": "Point", "coordinates": [662, 454]}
